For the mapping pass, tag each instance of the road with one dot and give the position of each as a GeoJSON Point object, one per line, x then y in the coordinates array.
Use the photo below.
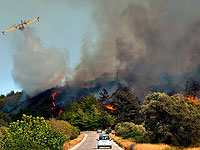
{"type": "Point", "coordinates": [91, 142]}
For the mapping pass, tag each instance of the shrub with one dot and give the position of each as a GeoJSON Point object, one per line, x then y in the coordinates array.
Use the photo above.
{"type": "Point", "coordinates": [26, 145]}
{"type": "Point", "coordinates": [63, 126]}
{"type": "Point", "coordinates": [129, 130]}
{"type": "Point", "coordinates": [33, 130]}
{"type": "Point", "coordinates": [142, 139]}
{"type": "Point", "coordinates": [125, 128]}
{"type": "Point", "coordinates": [172, 121]}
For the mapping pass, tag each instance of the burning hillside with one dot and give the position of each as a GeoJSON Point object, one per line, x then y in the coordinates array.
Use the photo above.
{"type": "Point", "coordinates": [52, 102]}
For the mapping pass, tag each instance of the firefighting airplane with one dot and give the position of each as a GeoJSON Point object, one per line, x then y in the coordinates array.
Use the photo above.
{"type": "Point", "coordinates": [21, 26]}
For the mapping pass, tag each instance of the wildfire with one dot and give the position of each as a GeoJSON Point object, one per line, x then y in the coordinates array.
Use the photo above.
{"type": "Point", "coordinates": [190, 99]}
{"type": "Point", "coordinates": [54, 94]}
{"type": "Point", "coordinates": [60, 111]}
{"type": "Point", "coordinates": [111, 107]}
{"type": "Point", "coordinates": [54, 105]}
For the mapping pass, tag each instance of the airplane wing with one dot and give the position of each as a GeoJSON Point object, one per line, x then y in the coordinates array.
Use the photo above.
{"type": "Point", "coordinates": [28, 22]}
{"type": "Point", "coordinates": [9, 30]}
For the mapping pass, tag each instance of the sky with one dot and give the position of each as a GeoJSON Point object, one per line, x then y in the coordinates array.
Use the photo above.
{"type": "Point", "coordinates": [63, 24]}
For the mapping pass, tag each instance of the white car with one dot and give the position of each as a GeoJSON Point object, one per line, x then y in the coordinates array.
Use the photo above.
{"type": "Point", "coordinates": [104, 141]}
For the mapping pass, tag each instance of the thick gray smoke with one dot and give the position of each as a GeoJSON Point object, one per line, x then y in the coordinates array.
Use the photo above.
{"type": "Point", "coordinates": [148, 40]}
{"type": "Point", "coordinates": [36, 69]}
{"type": "Point", "coordinates": [145, 42]}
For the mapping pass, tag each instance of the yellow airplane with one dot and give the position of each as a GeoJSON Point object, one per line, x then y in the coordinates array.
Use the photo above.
{"type": "Point", "coordinates": [21, 26]}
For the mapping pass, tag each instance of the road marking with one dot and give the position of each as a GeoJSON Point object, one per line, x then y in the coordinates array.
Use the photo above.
{"type": "Point", "coordinates": [77, 145]}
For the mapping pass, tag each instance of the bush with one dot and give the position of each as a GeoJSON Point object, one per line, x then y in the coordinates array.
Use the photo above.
{"type": "Point", "coordinates": [26, 145]}
{"type": "Point", "coordinates": [142, 139]}
{"type": "Point", "coordinates": [172, 121]}
{"type": "Point", "coordinates": [129, 130]}
{"type": "Point", "coordinates": [33, 130]}
{"type": "Point", "coordinates": [63, 126]}
{"type": "Point", "coordinates": [125, 128]}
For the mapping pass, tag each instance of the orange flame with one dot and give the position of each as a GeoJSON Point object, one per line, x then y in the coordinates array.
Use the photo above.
{"type": "Point", "coordinates": [111, 107]}
{"type": "Point", "coordinates": [60, 112]}
{"type": "Point", "coordinates": [54, 105]}
{"type": "Point", "coordinates": [192, 99]}
{"type": "Point", "coordinates": [54, 94]}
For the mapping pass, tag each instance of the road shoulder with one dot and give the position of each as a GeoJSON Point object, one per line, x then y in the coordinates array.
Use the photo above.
{"type": "Point", "coordinates": [75, 143]}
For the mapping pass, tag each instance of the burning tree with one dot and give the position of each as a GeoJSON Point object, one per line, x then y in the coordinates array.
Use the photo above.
{"type": "Point", "coordinates": [103, 95]}
{"type": "Point", "coordinates": [54, 105]}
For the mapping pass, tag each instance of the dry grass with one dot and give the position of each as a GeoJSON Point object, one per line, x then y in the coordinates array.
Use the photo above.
{"type": "Point", "coordinates": [68, 145]}
{"type": "Point", "coordinates": [126, 144]}
{"type": "Point", "coordinates": [151, 147]}
{"type": "Point", "coordinates": [123, 143]}
{"type": "Point", "coordinates": [195, 148]}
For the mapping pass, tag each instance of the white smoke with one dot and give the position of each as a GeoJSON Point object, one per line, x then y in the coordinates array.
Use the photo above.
{"type": "Point", "coordinates": [36, 69]}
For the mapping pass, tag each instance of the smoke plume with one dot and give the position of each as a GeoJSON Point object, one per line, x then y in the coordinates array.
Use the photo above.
{"type": "Point", "coordinates": [148, 41]}
{"type": "Point", "coordinates": [36, 69]}
{"type": "Point", "coordinates": [144, 42]}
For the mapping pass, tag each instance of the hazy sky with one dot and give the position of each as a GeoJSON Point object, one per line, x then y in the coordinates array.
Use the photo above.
{"type": "Point", "coordinates": [63, 24]}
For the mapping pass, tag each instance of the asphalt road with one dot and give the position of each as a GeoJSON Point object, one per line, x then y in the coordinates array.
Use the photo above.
{"type": "Point", "coordinates": [91, 143]}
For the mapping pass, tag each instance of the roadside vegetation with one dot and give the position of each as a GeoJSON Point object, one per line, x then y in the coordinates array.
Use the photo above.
{"type": "Point", "coordinates": [33, 132]}
{"type": "Point", "coordinates": [171, 120]}
{"type": "Point", "coordinates": [129, 130]}
{"type": "Point", "coordinates": [62, 126]}
{"type": "Point", "coordinates": [162, 119]}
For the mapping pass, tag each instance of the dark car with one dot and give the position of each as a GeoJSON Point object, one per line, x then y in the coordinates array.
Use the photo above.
{"type": "Point", "coordinates": [108, 131]}
{"type": "Point", "coordinates": [99, 131]}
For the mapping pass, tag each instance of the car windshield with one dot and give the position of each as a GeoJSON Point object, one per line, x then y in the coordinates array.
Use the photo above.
{"type": "Point", "coordinates": [104, 137]}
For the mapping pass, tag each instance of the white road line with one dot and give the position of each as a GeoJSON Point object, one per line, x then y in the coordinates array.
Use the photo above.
{"type": "Point", "coordinates": [77, 145]}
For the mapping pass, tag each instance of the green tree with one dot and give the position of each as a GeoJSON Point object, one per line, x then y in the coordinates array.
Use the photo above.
{"type": "Point", "coordinates": [171, 121]}
{"type": "Point", "coordinates": [127, 108]}
{"type": "Point", "coordinates": [87, 114]}
{"type": "Point", "coordinates": [91, 122]}
{"type": "Point", "coordinates": [87, 102]}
